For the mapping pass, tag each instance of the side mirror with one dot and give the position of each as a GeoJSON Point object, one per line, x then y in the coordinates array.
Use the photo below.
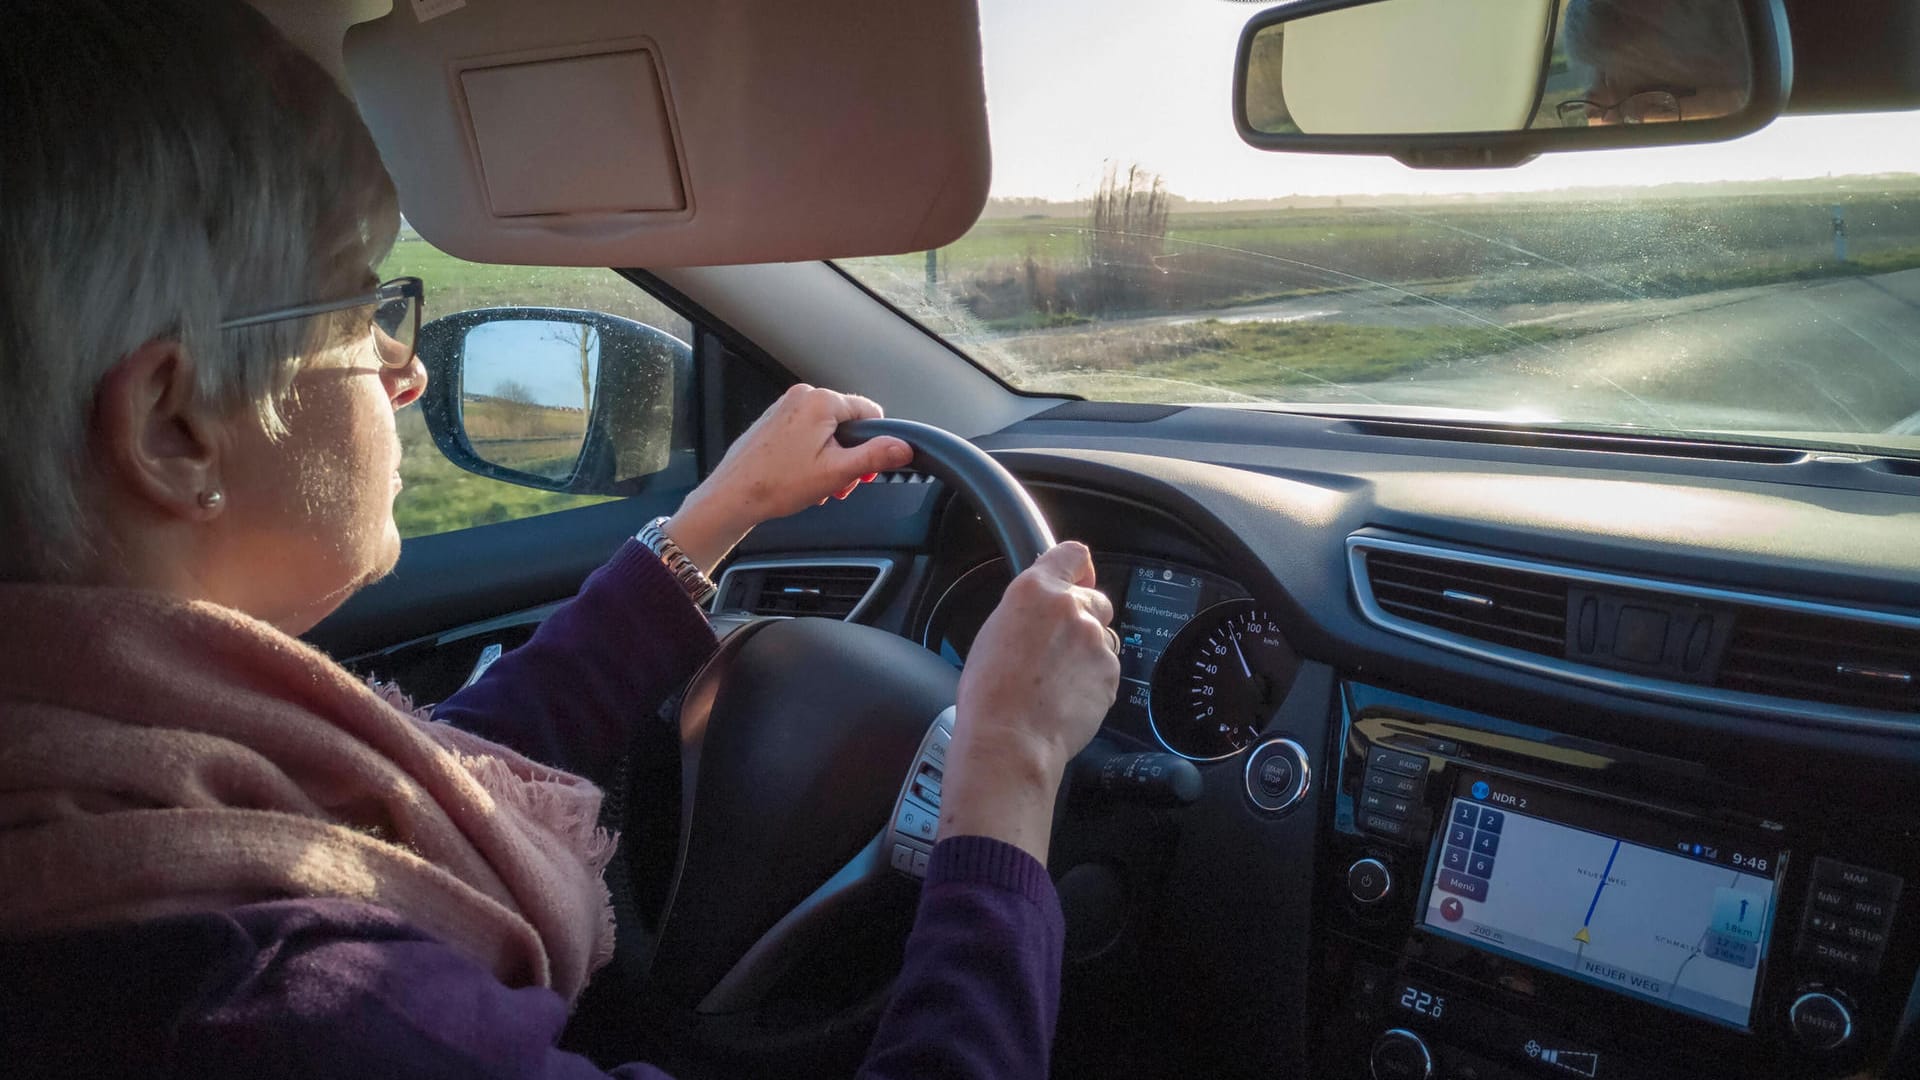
{"type": "Point", "coordinates": [1487, 83]}
{"type": "Point", "coordinates": [557, 399]}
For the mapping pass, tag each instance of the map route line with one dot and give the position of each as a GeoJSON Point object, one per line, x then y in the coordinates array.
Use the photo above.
{"type": "Point", "coordinates": [1581, 935]}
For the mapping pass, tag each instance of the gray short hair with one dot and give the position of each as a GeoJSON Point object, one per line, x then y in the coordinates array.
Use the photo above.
{"type": "Point", "coordinates": [164, 164]}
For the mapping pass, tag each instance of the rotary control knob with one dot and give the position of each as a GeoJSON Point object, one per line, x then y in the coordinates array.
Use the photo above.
{"type": "Point", "coordinates": [1399, 1054]}
{"type": "Point", "coordinates": [1369, 881]}
{"type": "Point", "coordinates": [1820, 1021]}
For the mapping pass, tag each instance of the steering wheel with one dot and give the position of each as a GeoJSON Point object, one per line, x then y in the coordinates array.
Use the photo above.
{"type": "Point", "coordinates": [795, 741]}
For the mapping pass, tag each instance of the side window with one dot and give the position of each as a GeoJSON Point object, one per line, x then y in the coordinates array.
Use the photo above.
{"type": "Point", "coordinates": [438, 496]}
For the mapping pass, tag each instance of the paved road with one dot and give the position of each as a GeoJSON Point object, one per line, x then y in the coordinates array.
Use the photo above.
{"type": "Point", "coordinates": [1841, 355]}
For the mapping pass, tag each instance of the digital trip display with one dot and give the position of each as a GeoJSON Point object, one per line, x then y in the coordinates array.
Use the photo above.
{"type": "Point", "coordinates": [1159, 602]}
{"type": "Point", "coordinates": [1639, 906]}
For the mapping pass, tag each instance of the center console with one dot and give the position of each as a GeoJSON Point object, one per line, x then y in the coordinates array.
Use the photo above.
{"type": "Point", "coordinates": [1504, 902]}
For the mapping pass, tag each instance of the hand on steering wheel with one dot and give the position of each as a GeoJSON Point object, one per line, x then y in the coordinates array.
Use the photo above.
{"type": "Point", "coordinates": [1039, 679]}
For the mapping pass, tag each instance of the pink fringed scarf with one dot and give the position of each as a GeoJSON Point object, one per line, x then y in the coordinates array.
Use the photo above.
{"type": "Point", "coordinates": [158, 756]}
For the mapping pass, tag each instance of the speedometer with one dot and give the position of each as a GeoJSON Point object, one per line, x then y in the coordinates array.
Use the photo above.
{"type": "Point", "coordinates": [1220, 681]}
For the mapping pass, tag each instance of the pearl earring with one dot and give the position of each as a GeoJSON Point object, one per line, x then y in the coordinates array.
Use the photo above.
{"type": "Point", "coordinates": [212, 499]}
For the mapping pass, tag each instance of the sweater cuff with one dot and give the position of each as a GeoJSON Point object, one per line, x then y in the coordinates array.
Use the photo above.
{"type": "Point", "coordinates": [982, 860]}
{"type": "Point", "coordinates": [638, 569]}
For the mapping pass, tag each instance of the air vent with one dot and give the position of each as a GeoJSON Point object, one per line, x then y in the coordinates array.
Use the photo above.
{"type": "Point", "coordinates": [1814, 658]}
{"type": "Point", "coordinates": [826, 588]}
{"type": "Point", "coordinates": [1764, 655]}
{"type": "Point", "coordinates": [1514, 608]}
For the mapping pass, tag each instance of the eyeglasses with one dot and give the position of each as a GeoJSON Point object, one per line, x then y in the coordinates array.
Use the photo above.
{"type": "Point", "coordinates": [1660, 106]}
{"type": "Point", "coordinates": [396, 317]}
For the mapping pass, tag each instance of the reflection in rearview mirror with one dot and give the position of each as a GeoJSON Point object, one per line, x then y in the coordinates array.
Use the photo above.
{"type": "Point", "coordinates": [1432, 67]}
{"type": "Point", "coordinates": [527, 393]}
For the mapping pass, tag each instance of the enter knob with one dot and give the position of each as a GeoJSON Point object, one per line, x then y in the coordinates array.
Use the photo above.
{"type": "Point", "coordinates": [1820, 1021]}
{"type": "Point", "coordinates": [1368, 881]}
{"type": "Point", "coordinates": [1399, 1054]}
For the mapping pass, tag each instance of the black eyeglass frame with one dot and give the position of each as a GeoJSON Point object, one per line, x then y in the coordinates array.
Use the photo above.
{"type": "Point", "coordinates": [410, 289]}
{"type": "Point", "coordinates": [1679, 94]}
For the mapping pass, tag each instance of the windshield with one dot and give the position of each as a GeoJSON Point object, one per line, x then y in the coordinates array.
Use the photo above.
{"type": "Point", "coordinates": [1135, 250]}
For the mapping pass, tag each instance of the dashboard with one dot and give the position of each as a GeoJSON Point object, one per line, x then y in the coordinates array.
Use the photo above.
{"type": "Point", "coordinates": [1613, 748]}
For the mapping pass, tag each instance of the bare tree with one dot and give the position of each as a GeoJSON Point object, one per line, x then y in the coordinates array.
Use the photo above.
{"type": "Point", "coordinates": [1126, 235]}
{"type": "Point", "coordinates": [584, 339]}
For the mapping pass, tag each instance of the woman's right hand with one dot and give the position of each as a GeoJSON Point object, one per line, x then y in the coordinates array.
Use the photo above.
{"type": "Point", "coordinates": [1040, 677]}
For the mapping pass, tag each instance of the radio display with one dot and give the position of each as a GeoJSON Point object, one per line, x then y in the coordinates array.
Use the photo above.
{"type": "Point", "coordinates": [1652, 909]}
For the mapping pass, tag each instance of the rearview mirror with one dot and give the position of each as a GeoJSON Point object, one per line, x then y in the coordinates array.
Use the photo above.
{"type": "Point", "coordinates": [1464, 83]}
{"type": "Point", "coordinates": [557, 399]}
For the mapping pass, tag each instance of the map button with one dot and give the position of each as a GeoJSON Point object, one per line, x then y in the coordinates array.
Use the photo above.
{"type": "Point", "coordinates": [1855, 879]}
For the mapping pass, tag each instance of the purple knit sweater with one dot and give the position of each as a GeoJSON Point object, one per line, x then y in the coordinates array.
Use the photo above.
{"type": "Point", "coordinates": [333, 988]}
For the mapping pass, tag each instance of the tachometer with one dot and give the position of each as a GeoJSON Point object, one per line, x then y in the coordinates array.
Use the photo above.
{"type": "Point", "coordinates": [1220, 680]}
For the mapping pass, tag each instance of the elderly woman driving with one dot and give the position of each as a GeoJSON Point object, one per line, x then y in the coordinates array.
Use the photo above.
{"type": "Point", "coordinates": [220, 853]}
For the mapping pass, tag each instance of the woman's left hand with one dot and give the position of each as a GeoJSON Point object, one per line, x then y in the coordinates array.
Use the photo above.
{"type": "Point", "coordinates": [787, 461]}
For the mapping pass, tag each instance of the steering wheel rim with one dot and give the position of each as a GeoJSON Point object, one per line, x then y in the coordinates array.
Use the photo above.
{"type": "Point", "coordinates": [1019, 529]}
{"type": "Point", "coordinates": [737, 728]}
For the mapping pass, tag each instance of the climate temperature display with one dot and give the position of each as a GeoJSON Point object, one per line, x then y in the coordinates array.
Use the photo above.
{"type": "Point", "coordinates": [1220, 680]}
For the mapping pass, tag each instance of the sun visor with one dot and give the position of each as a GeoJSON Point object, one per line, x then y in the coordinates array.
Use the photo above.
{"type": "Point", "coordinates": [656, 134]}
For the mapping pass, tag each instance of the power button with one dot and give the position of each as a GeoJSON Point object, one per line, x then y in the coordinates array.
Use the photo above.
{"type": "Point", "coordinates": [1369, 881]}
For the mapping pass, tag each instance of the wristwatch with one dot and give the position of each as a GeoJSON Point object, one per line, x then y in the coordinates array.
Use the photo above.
{"type": "Point", "coordinates": [694, 580]}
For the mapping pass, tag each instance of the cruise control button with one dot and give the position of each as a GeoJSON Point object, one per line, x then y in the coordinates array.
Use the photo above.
{"type": "Point", "coordinates": [1405, 787]}
{"type": "Point", "coordinates": [1397, 761]}
{"type": "Point", "coordinates": [1382, 803]}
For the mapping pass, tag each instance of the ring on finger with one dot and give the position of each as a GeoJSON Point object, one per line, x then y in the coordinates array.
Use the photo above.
{"type": "Point", "coordinates": [1113, 639]}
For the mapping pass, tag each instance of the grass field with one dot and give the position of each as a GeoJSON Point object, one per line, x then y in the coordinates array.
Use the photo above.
{"type": "Point", "coordinates": [1019, 293]}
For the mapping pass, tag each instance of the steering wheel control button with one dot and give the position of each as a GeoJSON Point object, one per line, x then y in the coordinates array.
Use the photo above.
{"type": "Point", "coordinates": [916, 821]}
{"type": "Point", "coordinates": [916, 812]}
{"type": "Point", "coordinates": [1399, 1054]}
{"type": "Point", "coordinates": [1820, 1021]}
{"type": "Point", "coordinates": [1278, 775]}
{"type": "Point", "coordinates": [1369, 881]}
{"type": "Point", "coordinates": [903, 858]}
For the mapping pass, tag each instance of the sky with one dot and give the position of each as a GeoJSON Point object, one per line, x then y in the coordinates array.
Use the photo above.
{"type": "Point", "coordinates": [540, 356]}
{"type": "Point", "coordinates": [1073, 83]}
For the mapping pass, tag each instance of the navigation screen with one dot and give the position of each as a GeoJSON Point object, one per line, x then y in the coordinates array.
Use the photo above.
{"type": "Point", "coordinates": [1160, 601]}
{"type": "Point", "coordinates": [1638, 906]}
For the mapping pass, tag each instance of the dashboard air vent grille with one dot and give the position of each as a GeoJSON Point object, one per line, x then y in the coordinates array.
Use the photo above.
{"type": "Point", "coordinates": [1514, 608]}
{"type": "Point", "coordinates": [829, 590]}
{"type": "Point", "coordinates": [1816, 658]}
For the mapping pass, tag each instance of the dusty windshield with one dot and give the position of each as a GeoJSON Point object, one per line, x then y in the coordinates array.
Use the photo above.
{"type": "Point", "coordinates": [1134, 250]}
